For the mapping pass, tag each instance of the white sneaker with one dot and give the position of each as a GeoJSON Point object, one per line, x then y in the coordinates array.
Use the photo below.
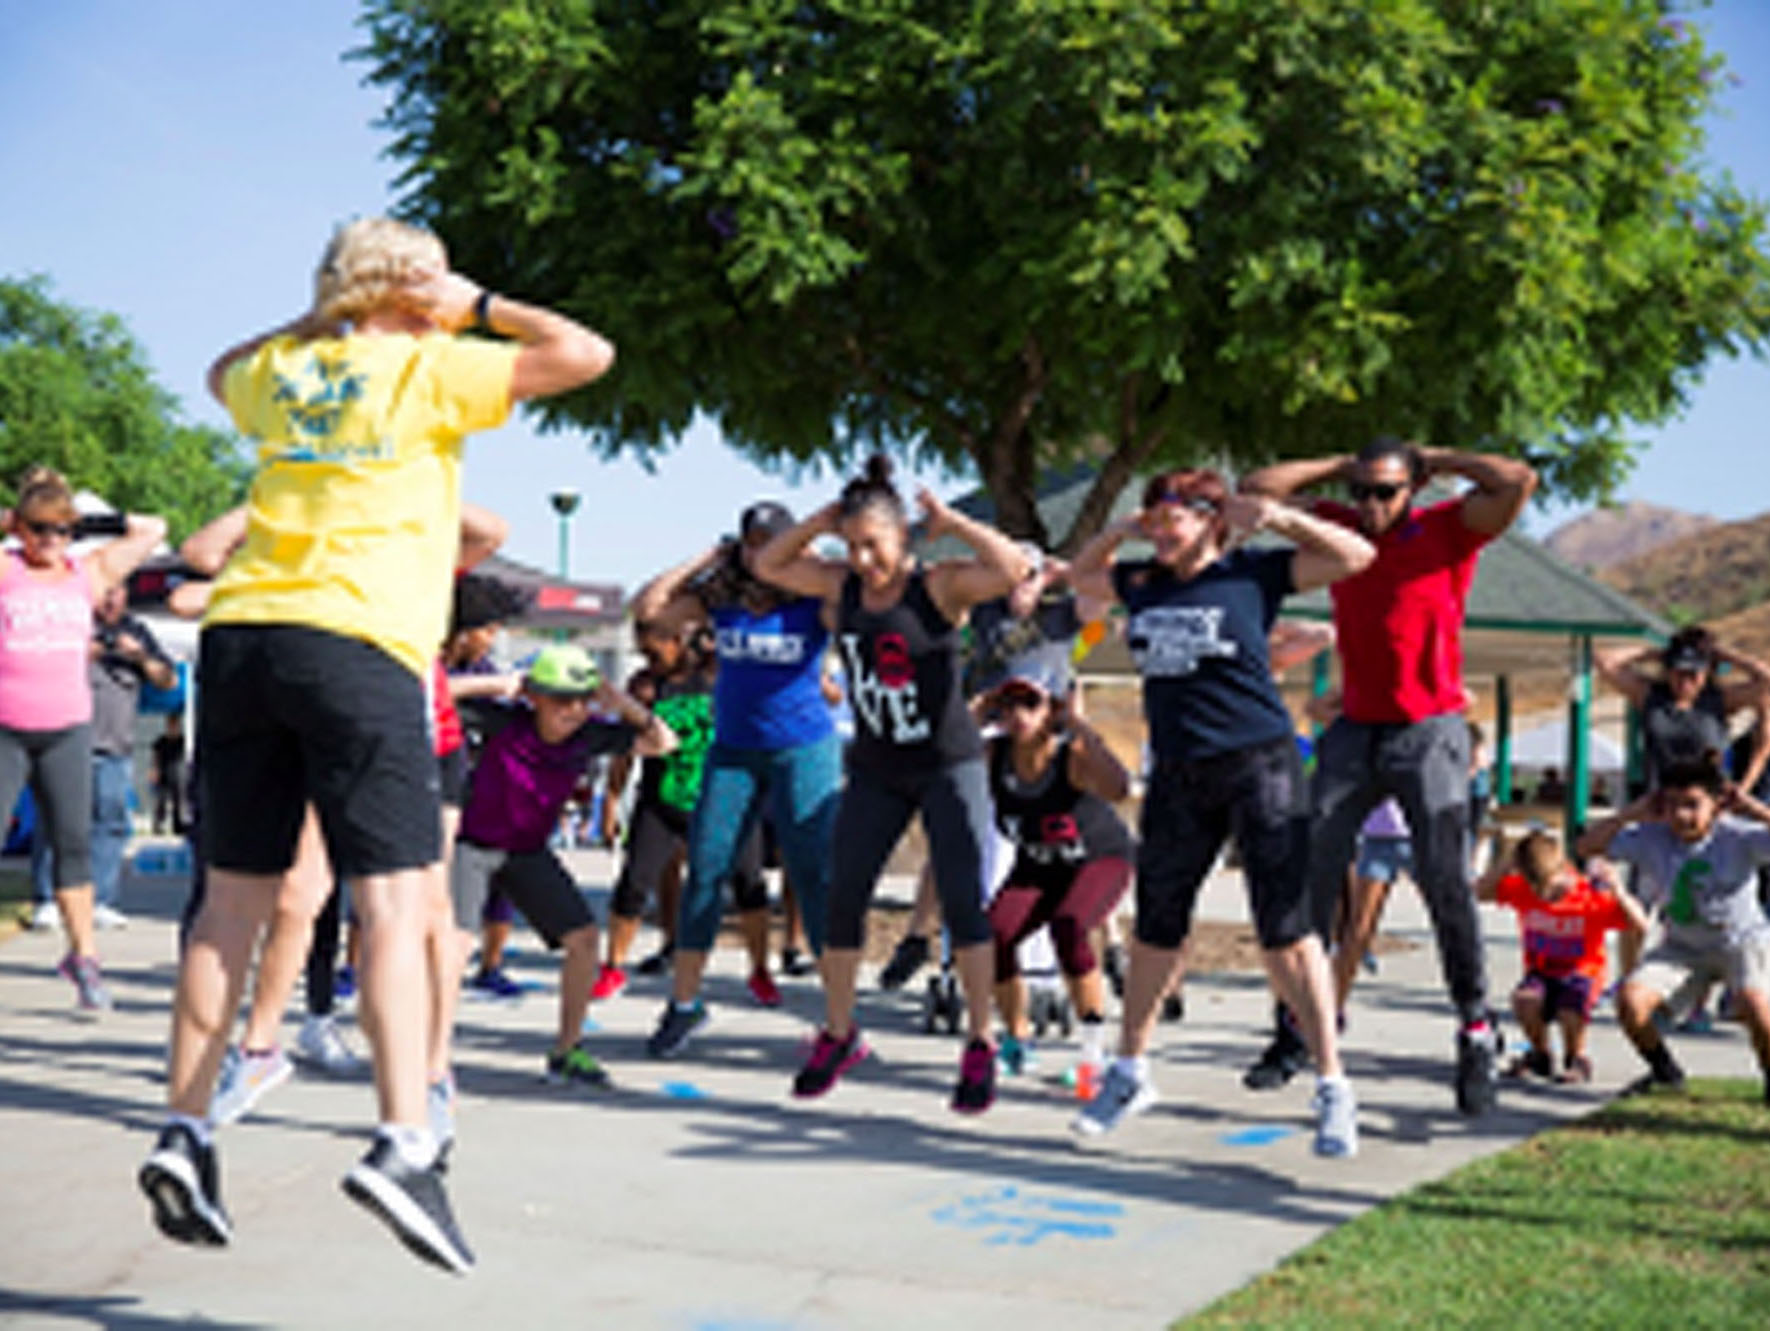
{"type": "Point", "coordinates": [109, 917]}
{"type": "Point", "coordinates": [1121, 1096]}
{"type": "Point", "coordinates": [245, 1080]}
{"type": "Point", "coordinates": [44, 915]}
{"type": "Point", "coordinates": [321, 1046]}
{"type": "Point", "coordinates": [1336, 1118]}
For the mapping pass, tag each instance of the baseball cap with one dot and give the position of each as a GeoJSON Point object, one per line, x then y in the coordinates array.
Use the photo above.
{"type": "Point", "coordinates": [563, 671]}
{"type": "Point", "coordinates": [1687, 656]}
{"type": "Point", "coordinates": [1043, 670]}
{"type": "Point", "coordinates": [765, 518]}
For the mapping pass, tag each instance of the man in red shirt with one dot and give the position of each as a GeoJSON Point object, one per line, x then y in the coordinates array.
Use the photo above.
{"type": "Point", "coordinates": [1401, 732]}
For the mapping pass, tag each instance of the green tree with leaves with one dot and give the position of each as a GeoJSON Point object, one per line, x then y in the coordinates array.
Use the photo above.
{"type": "Point", "coordinates": [76, 394]}
{"type": "Point", "coordinates": [1013, 234]}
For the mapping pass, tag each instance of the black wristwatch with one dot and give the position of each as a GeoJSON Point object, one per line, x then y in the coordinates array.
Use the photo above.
{"type": "Point", "coordinates": [481, 309]}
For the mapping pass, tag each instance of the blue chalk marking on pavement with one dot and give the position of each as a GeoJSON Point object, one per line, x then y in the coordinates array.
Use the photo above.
{"type": "Point", "coordinates": [682, 1090]}
{"type": "Point", "coordinates": [1262, 1136]}
{"type": "Point", "coordinates": [1010, 1216]}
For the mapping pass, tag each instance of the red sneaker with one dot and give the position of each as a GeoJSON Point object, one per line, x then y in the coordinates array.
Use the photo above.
{"type": "Point", "coordinates": [610, 980]}
{"type": "Point", "coordinates": [763, 988]}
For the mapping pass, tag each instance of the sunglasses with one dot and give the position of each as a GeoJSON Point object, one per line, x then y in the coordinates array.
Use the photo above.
{"type": "Point", "coordinates": [1383, 490]}
{"type": "Point", "coordinates": [44, 530]}
{"type": "Point", "coordinates": [1197, 503]}
{"type": "Point", "coordinates": [1024, 700]}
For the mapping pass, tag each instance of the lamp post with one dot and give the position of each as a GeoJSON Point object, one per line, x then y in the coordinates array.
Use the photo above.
{"type": "Point", "coordinates": [565, 503]}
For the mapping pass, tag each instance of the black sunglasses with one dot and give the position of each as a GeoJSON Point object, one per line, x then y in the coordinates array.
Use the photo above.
{"type": "Point", "coordinates": [1022, 699]}
{"type": "Point", "coordinates": [45, 529]}
{"type": "Point", "coordinates": [1384, 490]}
{"type": "Point", "coordinates": [1197, 503]}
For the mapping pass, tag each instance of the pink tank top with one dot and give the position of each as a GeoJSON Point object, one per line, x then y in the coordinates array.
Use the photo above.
{"type": "Point", "coordinates": [45, 626]}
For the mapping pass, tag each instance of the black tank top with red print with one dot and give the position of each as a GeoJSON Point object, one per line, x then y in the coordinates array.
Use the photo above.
{"type": "Point", "coordinates": [903, 682]}
{"type": "Point", "coordinates": [1055, 827]}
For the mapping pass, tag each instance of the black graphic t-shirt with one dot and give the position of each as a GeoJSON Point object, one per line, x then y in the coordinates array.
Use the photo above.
{"type": "Point", "coordinates": [1201, 648]}
{"type": "Point", "coordinates": [903, 682]}
{"type": "Point", "coordinates": [1055, 827]}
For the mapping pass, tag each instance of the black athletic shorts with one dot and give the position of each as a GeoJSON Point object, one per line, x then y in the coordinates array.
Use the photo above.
{"type": "Point", "coordinates": [536, 883]}
{"type": "Point", "coordinates": [288, 714]}
{"type": "Point", "coordinates": [452, 772]}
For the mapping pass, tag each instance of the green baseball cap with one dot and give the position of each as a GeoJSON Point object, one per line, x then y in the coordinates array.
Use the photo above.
{"type": "Point", "coordinates": [563, 671]}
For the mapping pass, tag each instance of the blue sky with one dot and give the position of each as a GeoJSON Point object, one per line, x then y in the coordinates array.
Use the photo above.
{"type": "Point", "coordinates": [181, 163]}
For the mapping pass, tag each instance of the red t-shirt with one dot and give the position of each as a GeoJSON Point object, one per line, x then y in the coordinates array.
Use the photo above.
{"type": "Point", "coordinates": [1566, 936]}
{"type": "Point", "coordinates": [445, 720]}
{"type": "Point", "coordinates": [1400, 623]}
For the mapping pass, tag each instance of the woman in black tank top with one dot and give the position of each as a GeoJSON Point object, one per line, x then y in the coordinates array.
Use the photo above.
{"type": "Point", "coordinates": [1053, 782]}
{"type": "Point", "coordinates": [916, 748]}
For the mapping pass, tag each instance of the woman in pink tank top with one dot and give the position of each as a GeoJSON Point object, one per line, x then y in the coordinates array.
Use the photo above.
{"type": "Point", "coordinates": [46, 600]}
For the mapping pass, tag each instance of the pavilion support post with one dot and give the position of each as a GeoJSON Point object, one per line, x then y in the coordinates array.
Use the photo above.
{"type": "Point", "coordinates": [1634, 757]}
{"type": "Point", "coordinates": [1579, 739]}
{"type": "Point", "coordinates": [1321, 667]}
{"type": "Point", "coordinates": [1502, 741]}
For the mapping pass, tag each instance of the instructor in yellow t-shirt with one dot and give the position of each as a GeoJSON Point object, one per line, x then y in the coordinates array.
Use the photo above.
{"type": "Point", "coordinates": [312, 666]}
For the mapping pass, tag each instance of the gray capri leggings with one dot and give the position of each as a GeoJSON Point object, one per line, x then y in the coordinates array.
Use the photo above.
{"type": "Point", "coordinates": [58, 764]}
{"type": "Point", "coordinates": [876, 807]}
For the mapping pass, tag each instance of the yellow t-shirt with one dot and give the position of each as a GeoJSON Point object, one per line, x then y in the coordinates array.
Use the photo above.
{"type": "Point", "coordinates": [355, 511]}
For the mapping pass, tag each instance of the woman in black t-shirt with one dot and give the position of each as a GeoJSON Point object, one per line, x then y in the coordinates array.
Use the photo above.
{"type": "Point", "coordinates": [1053, 782]}
{"type": "Point", "coordinates": [916, 749]}
{"type": "Point", "coordinates": [1225, 760]}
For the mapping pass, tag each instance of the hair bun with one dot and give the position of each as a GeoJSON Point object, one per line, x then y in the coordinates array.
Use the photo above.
{"type": "Point", "coordinates": [878, 470]}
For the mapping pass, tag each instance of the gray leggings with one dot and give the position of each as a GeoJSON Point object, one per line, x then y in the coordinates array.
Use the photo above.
{"type": "Point", "coordinates": [58, 764]}
{"type": "Point", "coordinates": [876, 807]}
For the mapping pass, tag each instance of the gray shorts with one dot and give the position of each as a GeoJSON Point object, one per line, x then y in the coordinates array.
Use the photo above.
{"type": "Point", "coordinates": [1679, 972]}
{"type": "Point", "coordinates": [536, 883]}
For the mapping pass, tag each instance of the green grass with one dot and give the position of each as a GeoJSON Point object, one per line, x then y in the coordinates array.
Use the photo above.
{"type": "Point", "coordinates": [1654, 1212]}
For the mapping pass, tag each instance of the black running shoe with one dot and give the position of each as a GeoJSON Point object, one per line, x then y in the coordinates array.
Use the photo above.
{"type": "Point", "coordinates": [1475, 1072]}
{"type": "Point", "coordinates": [911, 955]}
{"type": "Point", "coordinates": [412, 1203]}
{"type": "Point", "coordinates": [976, 1089]}
{"type": "Point", "coordinates": [1278, 1062]}
{"type": "Point", "coordinates": [1669, 1077]}
{"type": "Point", "coordinates": [658, 962]}
{"type": "Point", "coordinates": [1174, 1007]}
{"type": "Point", "coordinates": [180, 1180]}
{"type": "Point", "coordinates": [675, 1027]}
{"type": "Point", "coordinates": [796, 963]}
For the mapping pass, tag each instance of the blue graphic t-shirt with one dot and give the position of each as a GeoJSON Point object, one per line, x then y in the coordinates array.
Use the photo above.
{"type": "Point", "coordinates": [1201, 648]}
{"type": "Point", "coordinates": [767, 694]}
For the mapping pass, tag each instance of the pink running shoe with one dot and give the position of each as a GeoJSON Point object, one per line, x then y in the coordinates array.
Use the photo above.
{"type": "Point", "coordinates": [830, 1058]}
{"type": "Point", "coordinates": [976, 1090]}
{"type": "Point", "coordinates": [610, 980]}
{"type": "Point", "coordinates": [763, 988]}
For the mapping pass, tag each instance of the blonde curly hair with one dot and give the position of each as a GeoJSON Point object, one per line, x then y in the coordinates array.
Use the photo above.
{"type": "Point", "coordinates": [45, 495]}
{"type": "Point", "coordinates": [366, 263]}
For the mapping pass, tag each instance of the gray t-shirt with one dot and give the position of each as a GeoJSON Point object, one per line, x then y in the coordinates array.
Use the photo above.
{"type": "Point", "coordinates": [1706, 890]}
{"type": "Point", "coordinates": [116, 685]}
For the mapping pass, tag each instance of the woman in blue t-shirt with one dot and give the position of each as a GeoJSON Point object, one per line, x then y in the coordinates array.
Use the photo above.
{"type": "Point", "coordinates": [774, 745]}
{"type": "Point", "coordinates": [1225, 760]}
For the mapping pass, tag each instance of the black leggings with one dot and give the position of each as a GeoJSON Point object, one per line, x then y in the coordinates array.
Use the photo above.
{"type": "Point", "coordinates": [322, 955]}
{"type": "Point", "coordinates": [876, 807]}
{"type": "Point", "coordinates": [58, 766]}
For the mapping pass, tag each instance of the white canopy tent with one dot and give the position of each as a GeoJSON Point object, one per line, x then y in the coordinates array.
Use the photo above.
{"type": "Point", "coordinates": [1544, 746]}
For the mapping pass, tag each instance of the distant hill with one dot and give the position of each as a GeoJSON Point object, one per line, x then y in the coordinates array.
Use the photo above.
{"type": "Point", "coordinates": [1716, 571]}
{"type": "Point", "coordinates": [1609, 536]}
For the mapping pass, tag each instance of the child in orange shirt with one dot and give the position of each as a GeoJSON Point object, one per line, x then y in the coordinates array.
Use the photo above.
{"type": "Point", "coordinates": [1564, 916]}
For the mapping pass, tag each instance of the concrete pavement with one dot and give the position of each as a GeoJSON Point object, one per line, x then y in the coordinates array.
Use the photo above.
{"type": "Point", "coordinates": [699, 1196]}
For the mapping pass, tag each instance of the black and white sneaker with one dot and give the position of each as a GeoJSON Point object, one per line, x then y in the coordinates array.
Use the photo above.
{"type": "Point", "coordinates": [412, 1203]}
{"type": "Point", "coordinates": [1475, 1072]}
{"type": "Point", "coordinates": [180, 1180]}
{"type": "Point", "coordinates": [1279, 1061]}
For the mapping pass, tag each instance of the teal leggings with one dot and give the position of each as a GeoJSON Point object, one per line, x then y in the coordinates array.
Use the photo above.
{"type": "Point", "coordinates": [802, 787]}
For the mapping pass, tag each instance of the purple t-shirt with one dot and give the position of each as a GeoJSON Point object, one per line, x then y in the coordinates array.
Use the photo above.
{"type": "Point", "coordinates": [522, 782]}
